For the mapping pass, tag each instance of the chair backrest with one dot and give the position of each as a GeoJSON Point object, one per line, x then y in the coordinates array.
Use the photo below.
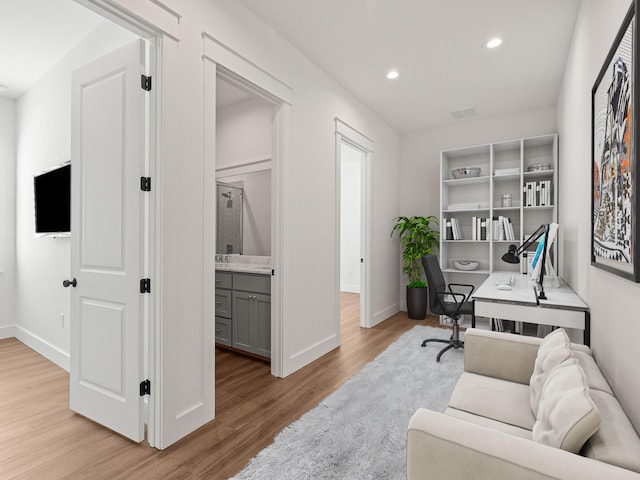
{"type": "Point", "coordinates": [435, 282]}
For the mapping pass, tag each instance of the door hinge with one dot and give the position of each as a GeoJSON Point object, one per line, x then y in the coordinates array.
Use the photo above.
{"type": "Point", "coordinates": [145, 285]}
{"type": "Point", "coordinates": [273, 272]}
{"type": "Point", "coordinates": [145, 387]}
{"type": "Point", "coordinates": [145, 184]}
{"type": "Point", "coordinates": [145, 82]}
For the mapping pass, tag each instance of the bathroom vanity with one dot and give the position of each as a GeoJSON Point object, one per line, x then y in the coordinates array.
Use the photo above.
{"type": "Point", "coordinates": [243, 307]}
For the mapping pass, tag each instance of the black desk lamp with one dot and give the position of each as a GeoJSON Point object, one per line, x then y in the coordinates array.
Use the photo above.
{"type": "Point", "coordinates": [513, 255]}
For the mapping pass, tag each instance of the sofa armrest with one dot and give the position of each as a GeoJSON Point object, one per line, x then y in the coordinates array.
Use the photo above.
{"type": "Point", "coordinates": [500, 355]}
{"type": "Point", "coordinates": [440, 446]}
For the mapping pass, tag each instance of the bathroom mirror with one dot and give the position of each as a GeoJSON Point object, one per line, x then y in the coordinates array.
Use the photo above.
{"type": "Point", "coordinates": [243, 208]}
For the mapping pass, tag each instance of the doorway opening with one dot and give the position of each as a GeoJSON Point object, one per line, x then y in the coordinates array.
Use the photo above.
{"type": "Point", "coordinates": [221, 63]}
{"type": "Point", "coordinates": [353, 156]}
{"type": "Point", "coordinates": [351, 257]}
{"type": "Point", "coordinates": [243, 200]}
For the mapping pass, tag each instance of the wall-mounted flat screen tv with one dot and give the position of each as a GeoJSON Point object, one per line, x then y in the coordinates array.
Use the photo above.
{"type": "Point", "coordinates": [52, 192]}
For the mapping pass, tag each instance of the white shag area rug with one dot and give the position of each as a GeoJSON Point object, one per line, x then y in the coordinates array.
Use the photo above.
{"type": "Point", "coordinates": [359, 431]}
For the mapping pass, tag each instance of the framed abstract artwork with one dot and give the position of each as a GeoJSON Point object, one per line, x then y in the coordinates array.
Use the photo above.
{"type": "Point", "coordinates": [614, 144]}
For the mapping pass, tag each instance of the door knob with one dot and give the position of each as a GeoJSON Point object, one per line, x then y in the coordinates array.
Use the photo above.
{"type": "Point", "coordinates": [73, 283]}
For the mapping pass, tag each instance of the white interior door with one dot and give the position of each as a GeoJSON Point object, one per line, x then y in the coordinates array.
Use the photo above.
{"type": "Point", "coordinates": [107, 307]}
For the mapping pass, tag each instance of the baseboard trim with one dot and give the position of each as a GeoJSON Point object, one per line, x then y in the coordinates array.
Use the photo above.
{"type": "Point", "coordinates": [44, 348]}
{"type": "Point", "coordinates": [350, 288]}
{"type": "Point", "coordinates": [385, 313]}
{"type": "Point", "coordinates": [8, 331]}
{"type": "Point", "coordinates": [308, 355]}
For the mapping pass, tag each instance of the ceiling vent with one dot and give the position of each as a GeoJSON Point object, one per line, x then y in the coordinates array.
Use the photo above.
{"type": "Point", "coordinates": [464, 113]}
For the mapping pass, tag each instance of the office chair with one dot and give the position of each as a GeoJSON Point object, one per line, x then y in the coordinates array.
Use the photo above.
{"type": "Point", "coordinates": [443, 300]}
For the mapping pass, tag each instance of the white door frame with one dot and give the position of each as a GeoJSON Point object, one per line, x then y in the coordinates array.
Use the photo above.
{"type": "Point", "coordinates": [349, 135]}
{"type": "Point", "coordinates": [152, 262]}
{"type": "Point", "coordinates": [219, 60]}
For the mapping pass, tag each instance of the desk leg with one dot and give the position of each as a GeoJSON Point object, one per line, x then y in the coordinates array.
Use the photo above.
{"type": "Point", "coordinates": [473, 315]}
{"type": "Point", "coordinates": [587, 329]}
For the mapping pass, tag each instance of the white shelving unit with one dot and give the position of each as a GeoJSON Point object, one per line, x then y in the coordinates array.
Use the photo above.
{"type": "Point", "coordinates": [481, 197]}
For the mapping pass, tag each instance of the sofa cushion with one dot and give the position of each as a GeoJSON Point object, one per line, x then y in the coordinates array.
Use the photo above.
{"type": "Point", "coordinates": [501, 400]}
{"type": "Point", "coordinates": [488, 422]}
{"type": "Point", "coordinates": [595, 378]}
{"type": "Point", "coordinates": [554, 350]}
{"type": "Point", "coordinates": [567, 416]}
{"type": "Point", "coordinates": [616, 441]}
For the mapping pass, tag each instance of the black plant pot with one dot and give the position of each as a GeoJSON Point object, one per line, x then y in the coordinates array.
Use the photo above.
{"type": "Point", "coordinates": [417, 302]}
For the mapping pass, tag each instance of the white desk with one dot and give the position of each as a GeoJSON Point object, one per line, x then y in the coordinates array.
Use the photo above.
{"type": "Point", "coordinates": [562, 308]}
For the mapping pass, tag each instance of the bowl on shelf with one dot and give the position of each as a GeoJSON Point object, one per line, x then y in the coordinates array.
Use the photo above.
{"type": "Point", "coordinates": [465, 265]}
{"type": "Point", "coordinates": [465, 172]}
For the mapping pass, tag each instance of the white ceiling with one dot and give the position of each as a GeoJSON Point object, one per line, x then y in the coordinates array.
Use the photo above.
{"type": "Point", "coordinates": [437, 46]}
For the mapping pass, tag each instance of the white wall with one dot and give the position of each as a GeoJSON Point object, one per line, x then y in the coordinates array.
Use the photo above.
{"type": "Point", "coordinates": [350, 212]}
{"type": "Point", "coordinates": [614, 302]}
{"type": "Point", "coordinates": [420, 168]}
{"type": "Point", "coordinates": [243, 133]}
{"type": "Point", "coordinates": [44, 140]}
{"type": "Point", "coordinates": [7, 217]}
{"type": "Point", "coordinates": [256, 217]}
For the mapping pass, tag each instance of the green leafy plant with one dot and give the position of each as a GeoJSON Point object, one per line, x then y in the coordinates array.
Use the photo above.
{"type": "Point", "coordinates": [418, 238]}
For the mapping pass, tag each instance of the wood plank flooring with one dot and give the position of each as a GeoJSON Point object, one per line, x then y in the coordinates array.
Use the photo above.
{"type": "Point", "coordinates": [40, 438]}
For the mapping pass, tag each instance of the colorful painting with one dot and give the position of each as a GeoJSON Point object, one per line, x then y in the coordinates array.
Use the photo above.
{"type": "Point", "coordinates": [614, 183]}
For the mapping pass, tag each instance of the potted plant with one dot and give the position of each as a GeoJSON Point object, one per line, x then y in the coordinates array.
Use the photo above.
{"type": "Point", "coordinates": [419, 236]}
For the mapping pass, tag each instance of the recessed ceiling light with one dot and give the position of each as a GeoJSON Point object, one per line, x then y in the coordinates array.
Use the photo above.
{"type": "Point", "coordinates": [493, 43]}
{"type": "Point", "coordinates": [392, 74]}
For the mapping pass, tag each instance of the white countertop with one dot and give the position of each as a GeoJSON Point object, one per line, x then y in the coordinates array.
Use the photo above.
{"type": "Point", "coordinates": [244, 268]}
{"type": "Point", "coordinates": [245, 264]}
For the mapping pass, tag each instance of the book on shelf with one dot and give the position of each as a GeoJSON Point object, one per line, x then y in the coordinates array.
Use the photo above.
{"type": "Point", "coordinates": [452, 229]}
{"type": "Point", "coordinates": [479, 228]}
{"type": "Point", "coordinates": [502, 229]}
{"type": "Point", "coordinates": [464, 206]}
{"type": "Point", "coordinates": [537, 194]}
{"type": "Point", "coordinates": [457, 231]}
{"type": "Point", "coordinates": [448, 232]}
{"type": "Point", "coordinates": [506, 171]}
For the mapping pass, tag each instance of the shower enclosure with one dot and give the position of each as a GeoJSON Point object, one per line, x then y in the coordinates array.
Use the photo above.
{"type": "Point", "coordinates": [229, 213]}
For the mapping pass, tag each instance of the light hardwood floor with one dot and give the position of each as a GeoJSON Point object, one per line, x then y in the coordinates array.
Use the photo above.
{"type": "Point", "coordinates": [40, 438]}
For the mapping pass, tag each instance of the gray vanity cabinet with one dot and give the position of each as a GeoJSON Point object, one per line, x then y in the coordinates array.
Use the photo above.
{"type": "Point", "coordinates": [249, 319]}
{"type": "Point", "coordinates": [224, 282]}
{"type": "Point", "coordinates": [252, 323]}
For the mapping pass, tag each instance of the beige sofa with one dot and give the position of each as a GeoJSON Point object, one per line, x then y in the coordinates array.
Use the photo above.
{"type": "Point", "coordinates": [524, 408]}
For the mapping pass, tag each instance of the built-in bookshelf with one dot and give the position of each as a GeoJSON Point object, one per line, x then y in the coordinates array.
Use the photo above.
{"type": "Point", "coordinates": [514, 193]}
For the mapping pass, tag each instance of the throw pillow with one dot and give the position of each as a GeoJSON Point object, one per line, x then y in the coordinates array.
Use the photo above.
{"type": "Point", "coordinates": [553, 351]}
{"type": "Point", "coordinates": [567, 416]}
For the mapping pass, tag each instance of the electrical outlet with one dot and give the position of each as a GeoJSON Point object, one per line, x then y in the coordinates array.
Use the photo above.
{"type": "Point", "coordinates": [62, 320]}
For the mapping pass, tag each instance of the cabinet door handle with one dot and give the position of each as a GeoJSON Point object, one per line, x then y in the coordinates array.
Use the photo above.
{"type": "Point", "coordinates": [218, 331]}
{"type": "Point", "coordinates": [218, 303]}
{"type": "Point", "coordinates": [218, 280]}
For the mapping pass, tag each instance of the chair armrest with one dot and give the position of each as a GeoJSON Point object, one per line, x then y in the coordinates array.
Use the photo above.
{"type": "Point", "coordinates": [500, 355]}
{"type": "Point", "coordinates": [447, 305]}
{"type": "Point", "coordinates": [444, 447]}
{"type": "Point", "coordinates": [471, 288]}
